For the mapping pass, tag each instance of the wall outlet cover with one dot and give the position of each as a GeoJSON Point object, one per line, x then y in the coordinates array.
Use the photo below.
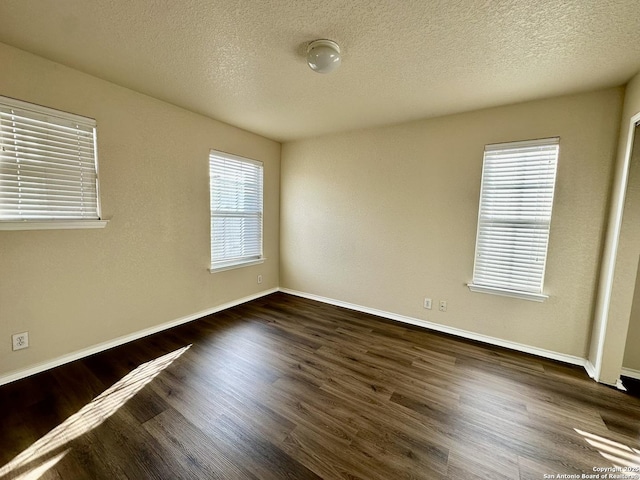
{"type": "Point", "coordinates": [20, 340]}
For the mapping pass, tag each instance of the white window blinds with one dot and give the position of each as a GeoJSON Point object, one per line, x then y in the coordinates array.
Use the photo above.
{"type": "Point", "coordinates": [516, 199]}
{"type": "Point", "coordinates": [236, 210]}
{"type": "Point", "coordinates": [48, 164]}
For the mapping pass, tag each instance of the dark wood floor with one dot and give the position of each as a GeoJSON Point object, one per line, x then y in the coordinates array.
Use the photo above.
{"type": "Point", "coordinates": [287, 388]}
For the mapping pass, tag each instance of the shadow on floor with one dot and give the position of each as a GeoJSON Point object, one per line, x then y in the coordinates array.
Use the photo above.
{"type": "Point", "coordinates": [632, 385]}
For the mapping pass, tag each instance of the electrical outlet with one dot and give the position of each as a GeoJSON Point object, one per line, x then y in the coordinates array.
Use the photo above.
{"type": "Point", "coordinates": [443, 306]}
{"type": "Point", "coordinates": [20, 340]}
{"type": "Point", "coordinates": [427, 303]}
{"type": "Point", "coordinates": [259, 278]}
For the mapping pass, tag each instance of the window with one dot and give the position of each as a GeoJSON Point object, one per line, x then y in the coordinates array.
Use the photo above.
{"type": "Point", "coordinates": [48, 168]}
{"type": "Point", "coordinates": [236, 211]}
{"type": "Point", "coordinates": [516, 198]}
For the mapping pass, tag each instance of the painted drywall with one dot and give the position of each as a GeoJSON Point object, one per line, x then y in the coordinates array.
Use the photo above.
{"type": "Point", "coordinates": [71, 289]}
{"type": "Point", "coordinates": [631, 360]}
{"type": "Point", "coordinates": [629, 253]}
{"type": "Point", "coordinates": [385, 217]}
{"type": "Point", "coordinates": [619, 264]}
{"type": "Point", "coordinates": [625, 295]}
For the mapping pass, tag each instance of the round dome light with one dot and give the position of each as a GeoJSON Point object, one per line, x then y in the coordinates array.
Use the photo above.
{"type": "Point", "coordinates": [323, 56]}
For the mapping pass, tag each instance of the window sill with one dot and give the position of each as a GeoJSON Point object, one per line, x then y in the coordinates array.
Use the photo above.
{"type": "Point", "coordinates": [534, 297]}
{"type": "Point", "coordinates": [51, 224]}
{"type": "Point", "coordinates": [233, 266]}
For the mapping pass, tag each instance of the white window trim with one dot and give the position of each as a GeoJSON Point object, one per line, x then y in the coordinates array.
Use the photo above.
{"type": "Point", "coordinates": [56, 224]}
{"type": "Point", "coordinates": [536, 297]}
{"type": "Point", "coordinates": [234, 265]}
{"type": "Point", "coordinates": [244, 262]}
{"type": "Point", "coordinates": [52, 224]}
{"type": "Point", "coordinates": [502, 291]}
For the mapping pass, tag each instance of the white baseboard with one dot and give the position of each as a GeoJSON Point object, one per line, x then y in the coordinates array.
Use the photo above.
{"type": "Point", "coordinates": [450, 330]}
{"type": "Point", "coordinates": [570, 359]}
{"type": "Point", "coordinates": [631, 373]}
{"type": "Point", "coordinates": [85, 352]}
{"type": "Point", "coordinates": [591, 370]}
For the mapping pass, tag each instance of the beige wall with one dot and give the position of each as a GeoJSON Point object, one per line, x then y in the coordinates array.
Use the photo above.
{"type": "Point", "coordinates": [611, 320]}
{"type": "Point", "coordinates": [384, 217]}
{"type": "Point", "coordinates": [631, 358]}
{"type": "Point", "coordinates": [72, 289]}
{"type": "Point", "coordinates": [625, 296]}
{"type": "Point", "coordinates": [629, 253]}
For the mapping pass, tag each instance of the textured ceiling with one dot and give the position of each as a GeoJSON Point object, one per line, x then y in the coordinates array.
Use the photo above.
{"type": "Point", "coordinates": [242, 61]}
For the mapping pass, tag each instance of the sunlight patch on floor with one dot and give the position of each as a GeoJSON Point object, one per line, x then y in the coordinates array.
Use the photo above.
{"type": "Point", "coordinates": [622, 456]}
{"type": "Point", "coordinates": [89, 417]}
{"type": "Point", "coordinates": [36, 472]}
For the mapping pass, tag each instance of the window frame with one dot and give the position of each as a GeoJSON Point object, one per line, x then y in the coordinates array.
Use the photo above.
{"type": "Point", "coordinates": [511, 290]}
{"type": "Point", "coordinates": [44, 223]}
{"type": "Point", "coordinates": [229, 263]}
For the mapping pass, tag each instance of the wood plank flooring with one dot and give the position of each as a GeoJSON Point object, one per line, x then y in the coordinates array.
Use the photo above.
{"type": "Point", "coordinates": [288, 388]}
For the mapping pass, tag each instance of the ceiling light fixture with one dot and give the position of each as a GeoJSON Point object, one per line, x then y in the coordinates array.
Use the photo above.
{"type": "Point", "coordinates": [323, 56]}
